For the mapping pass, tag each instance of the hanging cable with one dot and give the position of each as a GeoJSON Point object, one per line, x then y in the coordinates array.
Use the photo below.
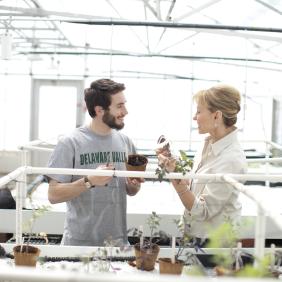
{"type": "Point", "coordinates": [111, 50]}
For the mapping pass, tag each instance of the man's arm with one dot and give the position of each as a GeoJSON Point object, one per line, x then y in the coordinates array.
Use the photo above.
{"type": "Point", "coordinates": [62, 192]}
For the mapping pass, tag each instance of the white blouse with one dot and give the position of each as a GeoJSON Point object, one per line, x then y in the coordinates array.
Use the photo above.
{"type": "Point", "coordinates": [215, 202]}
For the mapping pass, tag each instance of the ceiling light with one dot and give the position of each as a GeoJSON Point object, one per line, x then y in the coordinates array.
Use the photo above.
{"type": "Point", "coordinates": [6, 46]}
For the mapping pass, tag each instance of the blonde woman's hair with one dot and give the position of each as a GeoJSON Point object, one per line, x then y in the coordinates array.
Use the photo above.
{"type": "Point", "coordinates": [222, 98]}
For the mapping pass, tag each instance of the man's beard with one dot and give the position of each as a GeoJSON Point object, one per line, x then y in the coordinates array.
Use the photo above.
{"type": "Point", "coordinates": [110, 120]}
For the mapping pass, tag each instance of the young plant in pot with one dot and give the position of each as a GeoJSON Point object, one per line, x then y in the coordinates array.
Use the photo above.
{"type": "Point", "coordinates": [147, 250]}
{"type": "Point", "coordinates": [233, 260]}
{"type": "Point", "coordinates": [267, 267]}
{"type": "Point", "coordinates": [181, 256]}
{"type": "Point", "coordinates": [136, 162]}
{"type": "Point", "coordinates": [24, 254]}
{"type": "Point", "coordinates": [182, 163]}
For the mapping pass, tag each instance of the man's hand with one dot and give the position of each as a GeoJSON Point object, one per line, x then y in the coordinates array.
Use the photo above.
{"type": "Point", "coordinates": [133, 185]}
{"type": "Point", "coordinates": [134, 181]}
{"type": "Point", "coordinates": [101, 180]}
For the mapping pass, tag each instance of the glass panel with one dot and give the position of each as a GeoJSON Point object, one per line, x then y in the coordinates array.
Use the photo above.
{"type": "Point", "coordinates": [57, 111]}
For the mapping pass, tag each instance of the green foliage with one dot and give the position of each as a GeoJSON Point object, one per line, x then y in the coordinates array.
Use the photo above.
{"type": "Point", "coordinates": [224, 236]}
{"type": "Point", "coordinates": [29, 225]}
{"type": "Point", "coordinates": [36, 213]}
{"type": "Point", "coordinates": [161, 172]}
{"type": "Point", "coordinates": [185, 240]}
{"type": "Point", "coordinates": [153, 222]}
{"type": "Point", "coordinates": [183, 165]}
{"type": "Point", "coordinates": [101, 258]}
{"type": "Point", "coordinates": [261, 270]}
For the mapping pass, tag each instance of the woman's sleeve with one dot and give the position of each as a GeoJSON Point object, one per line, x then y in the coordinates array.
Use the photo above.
{"type": "Point", "coordinates": [216, 194]}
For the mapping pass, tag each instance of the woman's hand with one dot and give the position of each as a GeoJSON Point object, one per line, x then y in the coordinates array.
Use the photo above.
{"type": "Point", "coordinates": [169, 163]}
{"type": "Point", "coordinates": [180, 184]}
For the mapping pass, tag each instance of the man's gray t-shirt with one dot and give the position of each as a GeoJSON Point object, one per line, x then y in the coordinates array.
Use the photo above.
{"type": "Point", "coordinates": [97, 214]}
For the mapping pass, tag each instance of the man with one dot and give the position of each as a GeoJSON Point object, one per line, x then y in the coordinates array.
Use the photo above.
{"type": "Point", "coordinates": [96, 205]}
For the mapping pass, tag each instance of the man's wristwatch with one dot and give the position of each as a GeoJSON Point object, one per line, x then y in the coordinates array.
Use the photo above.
{"type": "Point", "coordinates": [87, 183]}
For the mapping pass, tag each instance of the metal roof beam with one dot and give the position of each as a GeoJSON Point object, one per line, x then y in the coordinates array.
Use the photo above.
{"type": "Point", "coordinates": [197, 10]}
{"type": "Point", "coordinates": [172, 4]}
{"type": "Point", "coordinates": [269, 7]}
{"type": "Point", "coordinates": [146, 3]}
{"type": "Point", "coordinates": [39, 12]}
{"type": "Point", "coordinates": [131, 29]}
{"type": "Point", "coordinates": [176, 25]}
{"type": "Point", "coordinates": [158, 9]}
{"type": "Point", "coordinates": [32, 28]}
{"type": "Point", "coordinates": [245, 35]}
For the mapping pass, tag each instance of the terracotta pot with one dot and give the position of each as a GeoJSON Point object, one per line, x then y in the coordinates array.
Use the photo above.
{"type": "Point", "coordinates": [167, 267]}
{"type": "Point", "coordinates": [248, 242]}
{"type": "Point", "coordinates": [28, 256]}
{"type": "Point", "coordinates": [222, 271]}
{"type": "Point", "coordinates": [141, 162]}
{"type": "Point", "coordinates": [146, 258]}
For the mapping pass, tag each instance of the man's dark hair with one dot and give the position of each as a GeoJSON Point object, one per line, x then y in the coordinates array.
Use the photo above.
{"type": "Point", "coordinates": [99, 94]}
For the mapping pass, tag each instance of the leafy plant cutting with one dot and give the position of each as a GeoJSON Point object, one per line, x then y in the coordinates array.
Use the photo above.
{"type": "Point", "coordinates": [182, 164]}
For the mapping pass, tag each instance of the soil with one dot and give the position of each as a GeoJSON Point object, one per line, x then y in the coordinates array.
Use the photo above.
{"type": "Point", "coordinates": [136, 160]}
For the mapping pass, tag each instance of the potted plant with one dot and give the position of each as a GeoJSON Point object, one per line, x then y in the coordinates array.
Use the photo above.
{"type": "Point", "coordinates": [147, 250]}
{"type": "Point", "coordinates": [174, 265]}
{"type": "Point", "coordinates": [237, 262]}
{"type": "Point", "coordinates": [269, 266]}
{"type": "Point", "coordinates": [262, 269]}
{"type": "Point", "coordinates": [24, 254]}
{"type": "Point", "coordinates": [103, 259]}
{"type": "Point", "coordinates": [136, 162]}
{"type": "Point", "coordinates": [231, 262]}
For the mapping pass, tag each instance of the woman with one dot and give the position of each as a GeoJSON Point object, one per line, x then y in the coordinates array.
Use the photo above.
{"type": "Point", "coordinates": [209, 203]}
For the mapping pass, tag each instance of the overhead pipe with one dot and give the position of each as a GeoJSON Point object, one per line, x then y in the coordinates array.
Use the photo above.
{"type": "Point", "coordinates": [175, 25]}
{"type": "Point", "coordinates": [151, 55]}
{"type": "Point", "coordinates": [79, 53]}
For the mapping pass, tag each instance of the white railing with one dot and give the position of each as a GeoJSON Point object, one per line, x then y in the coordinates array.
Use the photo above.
{"type": "Point", "coordinates": [20, 175]}
{"type": "Point", "coordinates": [36, 145]}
